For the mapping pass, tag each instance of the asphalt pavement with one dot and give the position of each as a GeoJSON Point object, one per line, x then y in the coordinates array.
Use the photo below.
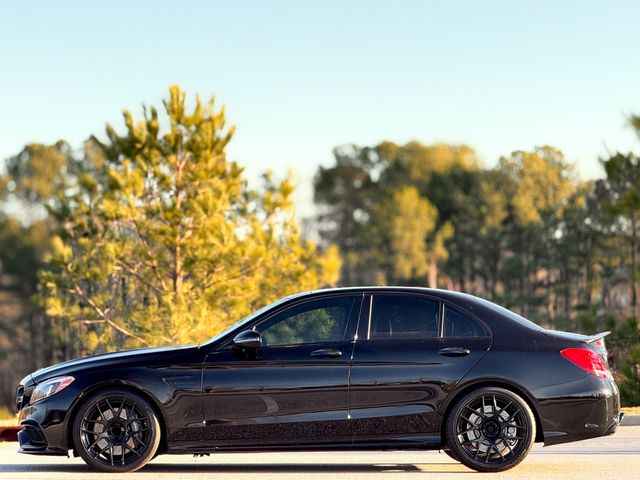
{"type": "Point", "coordinates": [615, 457]}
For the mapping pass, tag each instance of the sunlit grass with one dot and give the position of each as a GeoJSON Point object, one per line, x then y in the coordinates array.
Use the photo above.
{"type": "Point", "coordinates": [7, 415]}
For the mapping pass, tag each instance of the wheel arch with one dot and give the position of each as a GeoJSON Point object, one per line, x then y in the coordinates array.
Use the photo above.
{"type": "Point", "coordinates": [155, 405]}
{"type": "Point", "coordinates": [467, 388]}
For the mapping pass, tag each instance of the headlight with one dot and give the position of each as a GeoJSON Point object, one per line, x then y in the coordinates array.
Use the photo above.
{"type": "Point", "coordinates": [50, 387]}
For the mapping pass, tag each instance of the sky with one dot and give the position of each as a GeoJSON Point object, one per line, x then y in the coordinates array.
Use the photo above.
{"type": "Point", "coordinates": [300, 78]}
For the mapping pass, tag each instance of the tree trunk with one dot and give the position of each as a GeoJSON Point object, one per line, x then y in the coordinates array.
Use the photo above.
{"type": "Point", "coordinates": [634, 267]}
{"type": "Point", "coordinates": [433, 273]}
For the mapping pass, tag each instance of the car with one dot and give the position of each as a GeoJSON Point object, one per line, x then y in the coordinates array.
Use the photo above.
{"type": "Point", "coordinates": [334, 369]}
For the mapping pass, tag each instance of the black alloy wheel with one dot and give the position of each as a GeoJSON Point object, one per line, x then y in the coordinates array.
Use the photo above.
{"type": "Point", "coordinates": [116, 431]}
{"type": "Point", "coordinates": [490, 430]}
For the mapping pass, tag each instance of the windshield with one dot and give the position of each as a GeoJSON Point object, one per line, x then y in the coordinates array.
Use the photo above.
{"type": "Point", "coordinates": [245, 320]}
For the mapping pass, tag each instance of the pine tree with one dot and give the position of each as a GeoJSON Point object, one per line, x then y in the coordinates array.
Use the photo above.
{"type": "Point", "coordinates": [163, 240]}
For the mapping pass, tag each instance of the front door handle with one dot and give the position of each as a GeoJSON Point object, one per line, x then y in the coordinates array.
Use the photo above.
{"type": "Point", "coordinates": [455, 352]}
{"type": "Point", "coordinates": [326, 353]}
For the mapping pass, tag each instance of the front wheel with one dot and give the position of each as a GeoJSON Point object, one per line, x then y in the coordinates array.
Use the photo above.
{"type": "Point", "coordinates": [116, 431]}
{"type": "Point", "coordinates": [490, 430]}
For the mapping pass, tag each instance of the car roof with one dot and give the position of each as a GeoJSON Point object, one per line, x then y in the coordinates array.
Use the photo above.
{"type": "Point", "coordinates": [451, 294]}
{"type": "Point", "coordinates": [476, 305]}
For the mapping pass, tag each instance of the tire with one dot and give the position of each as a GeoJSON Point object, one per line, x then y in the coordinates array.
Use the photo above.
{"type": "Point", "coordinates": [116, 431]}
{"type": "Point", "coordinates": [490, 430]}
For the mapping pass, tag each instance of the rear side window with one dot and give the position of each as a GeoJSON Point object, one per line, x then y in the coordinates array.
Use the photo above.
{"type": "Point", "coordinates": [403, 316]}
{"type": "Point", "coordinates": [458, 324]}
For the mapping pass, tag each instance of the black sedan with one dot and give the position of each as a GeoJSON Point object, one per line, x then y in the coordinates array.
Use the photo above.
{"type": "Point", "coordinates": [353, 368]}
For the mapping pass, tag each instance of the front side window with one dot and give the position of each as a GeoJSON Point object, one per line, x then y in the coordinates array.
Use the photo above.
{"type": "Point", "coordinates": [458, 324]}
{"type": "Point", "coordinates": [403, 316]}
{"type": "Point", "coordinates": [316, 321]}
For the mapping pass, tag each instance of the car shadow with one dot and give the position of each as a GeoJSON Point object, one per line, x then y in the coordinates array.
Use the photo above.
{"type": "Point", "coordinates": [253, 468]}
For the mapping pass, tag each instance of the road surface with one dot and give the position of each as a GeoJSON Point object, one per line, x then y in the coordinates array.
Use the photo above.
{"type": "Point", "coordinates": [616, 457]}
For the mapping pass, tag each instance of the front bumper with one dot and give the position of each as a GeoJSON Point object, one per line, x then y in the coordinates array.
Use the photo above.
{"type": "Point", "coordinates": [32, 442]}
{"type": "Point", "coordinates": [44, 424]}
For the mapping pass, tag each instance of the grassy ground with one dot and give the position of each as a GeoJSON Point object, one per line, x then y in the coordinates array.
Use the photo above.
{"type": "Point", "coordinates": [631, 410]}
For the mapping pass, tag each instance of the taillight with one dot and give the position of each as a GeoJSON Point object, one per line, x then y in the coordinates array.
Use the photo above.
{"type": "Point", "coordinates": [589, 361]}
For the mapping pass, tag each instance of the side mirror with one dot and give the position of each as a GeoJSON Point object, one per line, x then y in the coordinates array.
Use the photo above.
{"type": "Point", "coordinates": [249, 339]}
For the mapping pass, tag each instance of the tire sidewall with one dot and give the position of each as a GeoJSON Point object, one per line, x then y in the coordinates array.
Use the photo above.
{"type": "Point", "coordinates": [461, 455]}
{"type": "Point", "coordinates": [148, 453]}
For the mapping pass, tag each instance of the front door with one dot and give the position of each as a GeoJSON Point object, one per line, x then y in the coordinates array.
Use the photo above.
{"type": "Point", "coordinates": [406, 360]}
{"type": "Point", "coordinates": [291, 390]}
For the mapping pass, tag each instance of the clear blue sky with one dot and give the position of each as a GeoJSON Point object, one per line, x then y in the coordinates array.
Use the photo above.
{"type": "Point", "coordinates": [299, 78]}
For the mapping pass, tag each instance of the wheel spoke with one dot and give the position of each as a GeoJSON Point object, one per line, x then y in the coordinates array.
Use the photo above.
{"type": "Point", "coordinates": [136, 439]}
{"type": "Point", "coordinates": [94, 443]}
{"type": "Point", "coordinates": [509, 447]}
{"type": "Point", "coordinates": [486, 459]}
{"type": "Point", "coordinates": [499, 452]}
{"type": "Point", "coordinates": [131, 413]}
{"type": "Point", "coordinates": [505, 407]}
{"type": "Point", "coordinates": [120, 408]}
{"type": "Point", "coordinates": [89, 420]}
{"type": "Point", "coordinates": [113, 412]}
{"type": "Point", "coordinates": [477, 412]}
{"type": "Point", "coordinates": [101, 414]}
{"type": "Point", "coordinates": [133, 448]}
{"type": "Point", "coordinates": [473, 429]}
{"type": "Point", "coordinates": [140, 430]}
{"type": "Point", "coordinates": [100, 452]}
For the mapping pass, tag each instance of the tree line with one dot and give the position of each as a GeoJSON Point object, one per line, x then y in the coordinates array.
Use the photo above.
{"type": "Point", "coordinates": [529, 233]}
{"type": "Point", "coordinates": [149, 234]}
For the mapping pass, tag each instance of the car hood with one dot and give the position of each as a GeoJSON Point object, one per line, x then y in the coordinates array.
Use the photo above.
{"type": "Point", "coordinates": [101, 360]}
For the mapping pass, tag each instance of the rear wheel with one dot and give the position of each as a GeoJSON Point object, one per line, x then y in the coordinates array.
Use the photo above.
{"type": "Point", "coordinates": [490, 430]}
{"type": "Point", "coordinates": [116, 431]}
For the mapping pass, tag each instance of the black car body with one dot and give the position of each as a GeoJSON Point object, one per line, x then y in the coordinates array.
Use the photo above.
{"type": "Point", "coordinates": [370, 367]}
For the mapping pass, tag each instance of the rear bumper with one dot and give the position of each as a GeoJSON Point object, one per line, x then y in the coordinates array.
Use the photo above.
{"type": "Point", "coordinates": [586, 408]}
{"type": "Point", "coordinates": [617, 420]}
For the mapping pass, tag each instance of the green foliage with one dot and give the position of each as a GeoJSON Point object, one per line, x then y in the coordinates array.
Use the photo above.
{"type": "Point", "coordinates": [624, 347]}
{"type": "Point", "coordinates": [6, 414]}
{"type": "Point", "coordinates": [377, 205]}
{"type": "Point", "coordinates": [168, 244]}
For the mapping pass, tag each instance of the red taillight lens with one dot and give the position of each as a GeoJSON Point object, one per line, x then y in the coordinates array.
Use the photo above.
{"type": "Point", "coordinates": [588, 360]}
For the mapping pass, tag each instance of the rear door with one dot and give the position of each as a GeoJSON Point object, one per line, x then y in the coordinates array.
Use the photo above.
{"type": "Point", "coordinates": [410, 352]}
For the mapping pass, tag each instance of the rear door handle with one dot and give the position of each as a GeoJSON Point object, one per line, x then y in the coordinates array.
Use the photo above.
{"type": "Point", "coordinates": [326, 353]}
{"type": "Point", "coordinates": [455, 352]}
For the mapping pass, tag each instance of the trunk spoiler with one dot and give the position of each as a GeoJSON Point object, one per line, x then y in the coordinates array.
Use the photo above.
{"type": "Point", "coordinates": [596, 337]}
